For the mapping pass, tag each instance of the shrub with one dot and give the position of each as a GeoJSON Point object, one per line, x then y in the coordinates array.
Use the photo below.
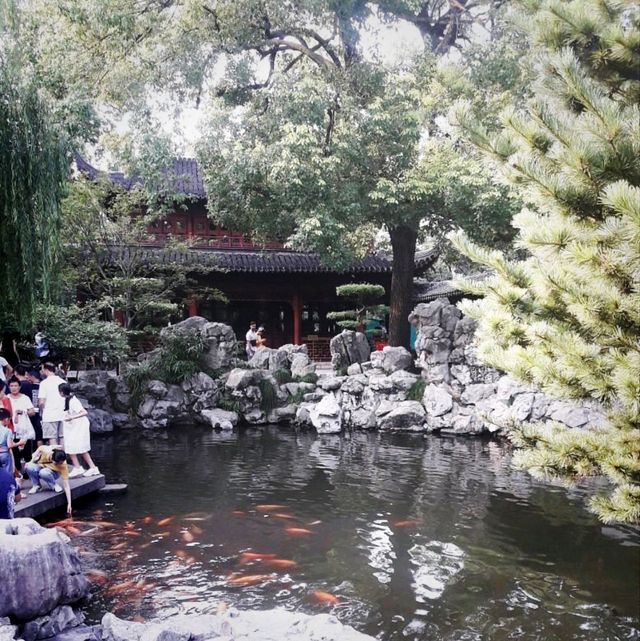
{"type": "Point", "coordinates": [269, 396]}
{"type": "Point", "coordinates": [282, 376]}
{"type": "Point", "coordinates": [416, 391]}
{"type": "Point", "coordinates": [311, 377]}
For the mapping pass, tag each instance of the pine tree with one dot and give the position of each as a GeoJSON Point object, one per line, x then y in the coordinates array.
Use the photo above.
{"type": "Point", "coordinates": [566, 317]}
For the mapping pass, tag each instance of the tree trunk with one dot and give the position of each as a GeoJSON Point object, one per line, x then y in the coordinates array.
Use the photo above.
{"type": "Point", "coordinates": [403, 242]}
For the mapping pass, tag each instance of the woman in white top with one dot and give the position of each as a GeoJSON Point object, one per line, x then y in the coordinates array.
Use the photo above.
{"type": "Point", "coordinates": [22, 410]}
{"type": "Point", "coordinates": [77, 438]}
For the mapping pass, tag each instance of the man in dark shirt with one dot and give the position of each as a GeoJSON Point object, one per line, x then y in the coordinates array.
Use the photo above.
{"type": "Point", "coordinates": [9, 494]}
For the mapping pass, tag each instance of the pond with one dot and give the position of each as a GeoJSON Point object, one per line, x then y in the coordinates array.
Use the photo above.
{"type": "Point", "coordinates": [416, 538]}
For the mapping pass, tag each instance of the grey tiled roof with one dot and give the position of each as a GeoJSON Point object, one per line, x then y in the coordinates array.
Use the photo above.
{"type": "Point", "coordinates": [183, 177]}
{"type": "Point", "coordinates": [237, 260]}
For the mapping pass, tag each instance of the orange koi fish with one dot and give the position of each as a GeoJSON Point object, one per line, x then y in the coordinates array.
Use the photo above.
{"type": "Point", "coordinates": [280, 515]}
{"type": "Point", "coordinates": [72, 530]}
{"type": "Point", "coordinates": [187, 537]}
{"type": "Point", "coordinates": [250, 579]}
{"type": "Point", "coordinates": [97, 576]}
{"type": "Point", "coordinates": [406, 523]}
{"type": "Point", "coordinates": [165, 521]}
{"type": "Point", "coordinates": [131, 533]}
{"type": "Point", "coordinates": [280, 563]}
{"type": "Point", "coordinates": [238, 513]}
{"type": "Point", "coordinates": [147, 520]}
{"type": "Point", "coordinates": [120, 587]}
{"type": "Point", "coordinates": [119, 546]}
{"type": "Point", "coordinates": [197, 530]}
{"type": "Point", "coordinates": [269, 507]}
{"type": "Point", "coordinates": [254, 556]}
{"type": "Point", "coordinates": [325, 597]}
{"type": "Point", "coordinates": [297, 530]}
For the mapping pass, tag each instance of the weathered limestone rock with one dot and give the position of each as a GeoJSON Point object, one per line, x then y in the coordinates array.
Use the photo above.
{"type": "Point", "coordinates": [391, 359]}
{"type": "Point", "coordinates": [240, 379]}
{"type": "Point", "coordinates": [403, 381]}
{"type": "Point", "coordinates": [100, 421]}
{"type": "Point", "coordinates": [260, 360]}
{"type": "Point", "coordinates": [331, 383]}
{"type": "Point", "coordinates": [279, 359]}
{"type": "Point", "coordinates": [347, 348]}
{"type": "Point", "coordinates": [359, 368]}
{"type": "Point", "coordinates": [157, 389]}
{"type": "Point", "coordinates": [264, 625]}
{"type": "Point", "coordinates": [437, 400]}
{"type": "Point", "coordinates": [39, 570]}
{"type": "Point", "coordinates": [477, 392]}
{"type": "Point", "coordinates": [326, 416]}
{"type": "Point", "coordinates": [282, 414]}
{"type": "Point", "coordinates": [406, 415]}
{"type": "Point", "coordinates": [301, 365]}
{"type": "Point", "coordinates": [220, 419]}
{"type": "Point", "coordinates": [60, 619]}
{"type": "Point", "coordinates": [568, 413]}
{"type": "Point", "coordinates": [362, 419]}
{"type": "Point", "coordinates": [220, 341]}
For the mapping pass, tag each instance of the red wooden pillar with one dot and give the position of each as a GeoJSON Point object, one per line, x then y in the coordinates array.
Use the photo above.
{"type": "Point", "coordinates": [193, 307]}
{"type": "Point", "coordinates": [297, 312]}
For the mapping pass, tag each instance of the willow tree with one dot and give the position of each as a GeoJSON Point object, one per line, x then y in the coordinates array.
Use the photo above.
{"type": "Point", "coordinates": [566, 317]}
{"type": "Point", "coordinates": [34, 164]}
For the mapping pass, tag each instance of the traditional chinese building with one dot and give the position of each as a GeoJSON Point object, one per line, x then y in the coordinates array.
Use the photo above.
{"type": "Point", "coordinates": [288, 292]}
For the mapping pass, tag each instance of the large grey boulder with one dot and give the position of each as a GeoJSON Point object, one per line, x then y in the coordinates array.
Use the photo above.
{"type": "Point", "coordinates": [39, 570]}
{"type": "Point", "coordinates": [301, 365]}
{"type": "Point", "coordinates": [406, 415]}
{"type": "Point", "coordinates": [220, 419]}
{"type": "Point", "coordinates": [240, 379]}
{"type": "Point", "coordinates": [437, 400]}
{"type": "Point", "coordinates": [100, 421]}
{"type": "Point", "coordinates": [260, 359]}
{"type": "Point", "coordinates": [391, 359]}
{"type": "Point", "coordinates": [50, 625]}
{"type": "Point", "coordinates": [326, 416]}
{"type": "Point", "coordinates": [263, 625]}
{"type": "Point", "coordinates": [220, 341]}
{"type": "Point", "coordinates": [347, 348]}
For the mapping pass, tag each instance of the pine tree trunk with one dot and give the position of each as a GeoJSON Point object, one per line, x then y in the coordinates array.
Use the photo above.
{"type": "Point", "coordinates": [403, 242]}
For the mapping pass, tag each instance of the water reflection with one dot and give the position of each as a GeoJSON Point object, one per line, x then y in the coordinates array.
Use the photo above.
{"type": "Point", "coordinates": [412, 538]}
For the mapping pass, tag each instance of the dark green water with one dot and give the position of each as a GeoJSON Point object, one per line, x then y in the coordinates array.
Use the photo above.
{"type": "Point", "coordinates": [488, 553]}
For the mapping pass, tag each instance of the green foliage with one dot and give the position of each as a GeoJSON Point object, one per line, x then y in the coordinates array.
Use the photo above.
{"type": "Point", "coordinates": [79, 334]}
{"type": "Point", "coordinates": [228, 403]}
{"type": "Point", "coordinates": [311, 377]}
{"type": "Point", "coordinates": [104, 233]}
{"type": "Point", "coordinates": [268, 396]}
{"type": "Point", "coordinates": [34, 163]}
{"type": "Point", "coordinates": [282, 376]}
{"type": "Point", "coordinates": [566, 317]}
{"type": "Point", "coordinates": [416, 391]}
{"type": "Point", "coordinates": [179, 357]}
{"type": "Point", "coordinates": [363, 296]}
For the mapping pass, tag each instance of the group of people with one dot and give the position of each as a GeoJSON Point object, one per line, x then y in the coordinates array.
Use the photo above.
{"type": "Point", "coordinates": [255, 338]}
{"type": "Point", "coordinates": [41, 423]}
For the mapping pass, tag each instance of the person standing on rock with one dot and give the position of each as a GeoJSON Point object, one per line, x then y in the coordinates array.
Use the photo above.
{"type": "Point", "coordinates": [51, 404]}
{"type": "Point", "coordinates": [9, 494]}
{"type": "Point", "coordinates": [77, 436]}
{"type": "Point", "coordinates": [49, 465]}
{"type": "Point", "coordinates": [250, 338]}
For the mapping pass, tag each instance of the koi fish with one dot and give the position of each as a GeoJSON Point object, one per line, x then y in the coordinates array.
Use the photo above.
{"type": "Point", "coordinates": [62, 523]}
{"type": "Point", "coordinates": [90, 531]}
{"type": "Point", "coordinates": [297, 530]}
{"type": "Point", "coordinates": [250, 579]}
{"type": "Point", "coordinates": [280, 563]}
{"type": "Point", "coordinates": [280, 515]}
{"type": "Point", "coordinates": [121, 587]}
{"type": "Point", "coordinates": [106, 524]}
{"type": "Point", "coordinates": [165, 521]}
{"type": "Point", "coordinates": [238, 513]}
{"type": "Point", "coordinates": [119, 546]}
{"type": "Point", "coordinates": [131, 533]}
{"type": "Point", "coordinates": [72, 530]}
{"type": "Point", "coordinates": [181, 554]}
{"type": "Point", "coordinates": [187, 537]}
{"type": "Point", "coordinates": [254, 556]}
{"type": "Point", "coordinates": [147, 520]}
{"type": "Point", "coordinates": [197, 530]}
{"type": "Point", "coordinates": [269, 507]}
{"type": "Point", "coordinates": [407, 523]}
{"type": "Point", "coordinates": [325, 597]}
{"type": "Point", "coordinates": [315, 522]}
{"type": "Point", "coordinates": [97, 576]}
